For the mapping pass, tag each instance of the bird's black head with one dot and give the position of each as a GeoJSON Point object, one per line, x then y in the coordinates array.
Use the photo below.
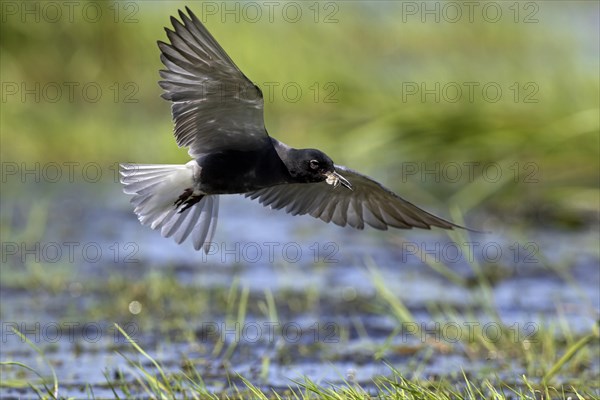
{"type": "Point", "coordinates": [312, 165]}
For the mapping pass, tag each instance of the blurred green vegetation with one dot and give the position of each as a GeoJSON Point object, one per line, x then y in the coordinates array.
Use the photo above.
{"type": "Point", "coordinates": [372, 53]}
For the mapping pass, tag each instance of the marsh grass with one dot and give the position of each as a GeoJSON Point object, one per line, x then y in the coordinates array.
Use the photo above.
{"type": "Point", "coordinates": [554, 357]}
{"type": "Point", "coordinates": [153, 381]}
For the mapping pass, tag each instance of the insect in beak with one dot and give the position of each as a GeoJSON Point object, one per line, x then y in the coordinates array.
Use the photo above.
{"type": "Point", "coordinates": [333, 178]}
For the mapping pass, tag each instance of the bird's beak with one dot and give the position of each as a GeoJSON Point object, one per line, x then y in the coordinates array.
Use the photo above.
{"type": "Point", "coordinates": [333, 178]}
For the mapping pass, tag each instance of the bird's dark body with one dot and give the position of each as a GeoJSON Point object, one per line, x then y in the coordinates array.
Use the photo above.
{"type": "Point", "coordinates": [238, 171]}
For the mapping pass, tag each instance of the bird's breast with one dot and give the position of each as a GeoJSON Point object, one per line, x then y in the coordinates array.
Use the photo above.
{"type": "Point", "coordinates": [235, 171]}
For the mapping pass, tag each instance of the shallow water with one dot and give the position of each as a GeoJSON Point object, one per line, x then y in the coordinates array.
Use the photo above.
{"type": "Point", "coordinates": [330, 319]}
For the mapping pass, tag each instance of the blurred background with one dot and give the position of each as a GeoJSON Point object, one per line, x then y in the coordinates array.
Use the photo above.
{"type": "Point", "coordinates": [485, 113]}
{"type": "Point", "coordinates": [380, 60]}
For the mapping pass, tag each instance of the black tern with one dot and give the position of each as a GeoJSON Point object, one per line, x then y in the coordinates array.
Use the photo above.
{"type": "Point", "coordinates": [218, 114]}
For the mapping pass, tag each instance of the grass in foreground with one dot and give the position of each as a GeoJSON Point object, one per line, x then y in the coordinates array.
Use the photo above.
{"type": "Point", "coordinates": [148, 378]}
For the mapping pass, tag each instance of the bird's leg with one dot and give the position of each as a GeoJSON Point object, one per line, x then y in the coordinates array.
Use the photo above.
{"type": "Point", "coordinates": [184, 196]}
{"type": "Point", "coordinates": [187, 199]}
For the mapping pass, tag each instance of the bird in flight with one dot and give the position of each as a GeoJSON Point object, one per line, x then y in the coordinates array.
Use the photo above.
{"type": "Point", "coordinates": [218, 115]}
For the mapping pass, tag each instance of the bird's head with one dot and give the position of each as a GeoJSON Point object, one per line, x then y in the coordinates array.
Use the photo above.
{"type": "Point", "coordinates": [311, 166]}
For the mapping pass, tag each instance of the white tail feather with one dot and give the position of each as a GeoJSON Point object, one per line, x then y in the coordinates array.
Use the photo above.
{"type": "Point", "coordinates": [156, 188]}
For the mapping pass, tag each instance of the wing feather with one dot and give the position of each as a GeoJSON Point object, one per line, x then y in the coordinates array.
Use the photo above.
{"type": "Point", "coordinates": [215, 106]}
{"type": "Point", "coordinates": [367, 203]}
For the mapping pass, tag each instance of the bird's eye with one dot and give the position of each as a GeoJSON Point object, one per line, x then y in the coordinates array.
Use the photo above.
{"type": "Point", "coordinates": [314, 164]}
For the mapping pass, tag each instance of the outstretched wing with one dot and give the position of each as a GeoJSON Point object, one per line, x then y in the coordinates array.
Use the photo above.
{"type": "Point", "coordinates": [215, 107]}
{"type": "Point", "coordinates": [367, 203]}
